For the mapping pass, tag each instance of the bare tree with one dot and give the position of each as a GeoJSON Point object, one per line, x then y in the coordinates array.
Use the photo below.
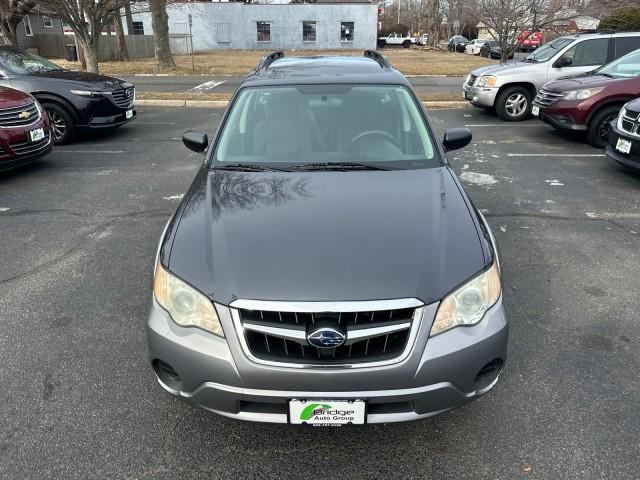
{"type": "Point", "coordinates": [160, 25]}
{"type": "Point", "coordinates": [121, 43]}
{"type": "Point", "coordinates": [506, 20]}
{"type": "Point", "coordinates": [86, 18]}
{"type": "Point", "coordinates": [11, 12]}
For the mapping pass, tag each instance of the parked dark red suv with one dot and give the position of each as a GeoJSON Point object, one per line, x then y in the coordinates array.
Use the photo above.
{"type": "Point", "coordinates": [25, 131]}
{"type": "Point", "coordinates": [589, 102]}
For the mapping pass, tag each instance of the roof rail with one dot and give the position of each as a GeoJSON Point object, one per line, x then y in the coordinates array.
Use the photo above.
{"type": "Point", "coordinates": [378, 57]}
{"type": "Point", "coordinates": [269, 59]}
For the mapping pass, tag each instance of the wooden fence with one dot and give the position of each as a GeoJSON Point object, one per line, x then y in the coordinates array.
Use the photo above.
{"type": "Point", "coordinates": [54, 46]}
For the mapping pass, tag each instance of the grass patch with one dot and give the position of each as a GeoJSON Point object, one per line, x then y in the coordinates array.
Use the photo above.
{"type": "Point", "coordinates": [412, 61]}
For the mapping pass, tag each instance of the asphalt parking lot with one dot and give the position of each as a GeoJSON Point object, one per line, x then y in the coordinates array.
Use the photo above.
{"type": "Point", "coordinates": [79, 231]}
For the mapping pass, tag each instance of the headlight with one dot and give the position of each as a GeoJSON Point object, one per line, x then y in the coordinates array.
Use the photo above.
{"type": "Point", "coordinates": [89, 93]}
{"type": "Point", "coordinates": [468, 304]}
{"type": "Point", "coordinates": [582, 94]}
{"type": "Point", "coordinates": [623, 112]}
{"type": "Point", "coordinates": [487, 81]}
{"type": "Point", "coordinates": [187, 306]}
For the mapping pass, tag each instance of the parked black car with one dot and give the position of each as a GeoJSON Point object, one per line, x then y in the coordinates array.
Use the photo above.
{"type": "Point", "coordinates": [73, 100]}
{"type": "Point", "coordinates": [624, 137]}
{"type": "Point", "coordinates": [457, 43]}
{"type": "Point", "coordinates": [493, 51]}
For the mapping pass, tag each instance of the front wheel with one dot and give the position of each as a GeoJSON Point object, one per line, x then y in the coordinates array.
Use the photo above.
{"type": "Point", "coordinates": [62, 127]}
{"type": "Point", "coordinates": [598, 130]}
{"type": "Point", "coordinates": [406, 44]}
{"type": "Point", "coordinates": [513, 104]}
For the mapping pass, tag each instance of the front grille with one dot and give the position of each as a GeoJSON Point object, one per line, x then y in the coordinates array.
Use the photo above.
{"type": "Point", "coordinates": [123, 97]}
{"type": "Point", "coordinates": [30, 148]}
{"type": "Point", "coordinates": [546, 97]}
{"type": "Point", "coordinates": [471, 79]}
{"type": "Point", "coordinates": [19, 116]}
{"type": "Point", "coordinates": [630, 122]}
{"type": "Point", "coordinates": [371, 336]}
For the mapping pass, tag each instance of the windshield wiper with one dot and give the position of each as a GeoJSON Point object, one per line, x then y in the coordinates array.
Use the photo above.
{"type": "Point", "coordinates": [339, 166]}
{"type": "Point", "coordinates": [250, 167]}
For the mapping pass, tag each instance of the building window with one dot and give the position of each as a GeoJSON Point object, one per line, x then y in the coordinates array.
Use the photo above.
{"type": "Point", "coordinates": [223, 32]}
{"type": "Point", "coordinates": [308, 31]}
{"type": "Point", "coordinates": [264, 31]}
{"type": "Point", "coordinates": [346, 31]}
{"type": "Point", "coordinates": [27, 26]}
{"type": "Point", "coordinates": [47, 22]}
{"type": "Point", "coordinates": [138, 28]}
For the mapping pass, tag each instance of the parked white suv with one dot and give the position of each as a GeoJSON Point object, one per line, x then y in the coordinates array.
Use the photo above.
{"type": "Point", "coordinates": [397, 39]}
{"type": "Point", "coordinates": [511, 87]}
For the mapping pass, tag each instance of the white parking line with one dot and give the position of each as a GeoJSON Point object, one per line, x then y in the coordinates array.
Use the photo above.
{"type": "Point", "coordinates": [210, 85]}
{"type": "Point", "coordinates": [578, 155]}
{"type": "Point", "coordinates": [110, 152]}
{"type": "Point", "coordinates": [499, 124]}
{"type": "Point", "coordinates": [4, 209]}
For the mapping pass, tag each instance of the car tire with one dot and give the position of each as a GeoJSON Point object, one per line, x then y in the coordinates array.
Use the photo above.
{"type": "Point", "coordinates": [63, 128]}
{"type": "Point", "coordinates": [513, 104]}
{"type": "Point", "coordinates": [382, 43]}
{"type": "Point", "coordinates": [406, 43]}
{"type": "Point", "coordinates": [599, 125]}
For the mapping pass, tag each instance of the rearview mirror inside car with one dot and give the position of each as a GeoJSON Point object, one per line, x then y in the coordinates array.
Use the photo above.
{"type": "Point", "coordinates": [455, 138]}
{"type": "Point", "coordinates": [196, 141]}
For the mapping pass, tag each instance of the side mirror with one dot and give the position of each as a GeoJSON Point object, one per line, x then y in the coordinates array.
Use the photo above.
{"type": "Point", "coordinates": [455, 138]}
{"type": "Point", "coordinates": [196, 141]}
{"type": "Point", "coordinates": [563, 62]}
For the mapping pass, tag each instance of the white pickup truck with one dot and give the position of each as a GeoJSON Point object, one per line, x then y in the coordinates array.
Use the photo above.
{"type": "Point", "coordinates": [397, 39]}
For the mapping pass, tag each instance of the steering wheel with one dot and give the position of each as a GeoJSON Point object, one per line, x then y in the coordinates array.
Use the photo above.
{"type": "Point", "coordinates": [387, 136]}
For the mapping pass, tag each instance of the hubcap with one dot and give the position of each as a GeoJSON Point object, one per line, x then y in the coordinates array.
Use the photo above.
{"type": "Point", "coordinates": [516, 104]}
{"type": "Point", "coordinates": [58, 125]}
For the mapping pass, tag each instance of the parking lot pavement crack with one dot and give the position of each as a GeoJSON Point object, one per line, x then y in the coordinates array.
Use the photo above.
{"type": "Point", "coordinates": [94, 234]}
{"type": "Point", "coordinates": [544, 216]}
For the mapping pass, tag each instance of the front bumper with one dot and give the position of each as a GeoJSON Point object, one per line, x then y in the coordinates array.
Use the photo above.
{"type": "Point", "coordinates": [439, 374]}
{"type": "Point", "coordinates": [629, 160]}
{"type": "Point", "coordinates": [480, 96]}
{"type": "Point", "coordinates": [15, 148]}
{"type": "Point", "coordinates": [562, 118]}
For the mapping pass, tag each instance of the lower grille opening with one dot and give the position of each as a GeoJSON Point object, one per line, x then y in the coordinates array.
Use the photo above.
{"type": "Point", "coordinates": [488, 373]}
{"type": "Point", "coordinates": [167, 374]}
{"type": "Point", "coordinates": [263, 407]}
{"type": "Point", "coordinates": [393, 407]}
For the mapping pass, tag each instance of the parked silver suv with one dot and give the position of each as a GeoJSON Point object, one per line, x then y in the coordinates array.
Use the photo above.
{"type": "Point", "coordinates": [511, 87]}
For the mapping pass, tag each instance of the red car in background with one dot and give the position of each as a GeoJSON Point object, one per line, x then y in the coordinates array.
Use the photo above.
{"type": "Point", "coordinates": [529, 41]}
{"type": "Point", "coordinates": [589, 102]}
{"type": "Point", "coordinates": [25, 131]}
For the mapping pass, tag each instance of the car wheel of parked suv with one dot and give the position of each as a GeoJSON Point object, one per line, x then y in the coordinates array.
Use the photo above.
{"type": "Point", "coordinates": [406, 44]}
{"type": "Point", "coordinates": [598, 129]}
{"type": "Point", "coordinates": [513, 104]}
{"type": "Point", "coordinates": [62, 127]}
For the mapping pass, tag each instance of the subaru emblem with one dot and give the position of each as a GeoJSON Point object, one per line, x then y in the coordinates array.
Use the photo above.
{"type": "Point", "coordinates": [326, 338]}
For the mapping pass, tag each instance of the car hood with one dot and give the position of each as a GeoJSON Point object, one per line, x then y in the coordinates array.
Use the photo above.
{"type": "Point", "coordinates": [583, 81]}
{"type": "Point", "coordinates": [94, 81]}
{"type": "Point", "coordinates": [501, 68]}
{"type": "Point", "coordinates": [325, 236]}
{"type": "Point", "coordinates": [10, 97]}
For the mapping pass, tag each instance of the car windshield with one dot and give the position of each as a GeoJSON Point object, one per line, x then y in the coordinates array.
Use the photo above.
{"type": "Point", "coordinates": [548, 50]}
{"type": "Point", "coordinates": [24, 63]}
{"type": "Point", "coordinates": [379, 125]}
{"type": "Point", "coordinates": [627, 66]}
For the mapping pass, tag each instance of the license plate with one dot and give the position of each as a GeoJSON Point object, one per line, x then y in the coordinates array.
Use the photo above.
{"type": "Point", "coordinates": [326, 412]}
{"type": "Point", "coordinates": [128, 114]}
{"type": "Point", "coordinates": [37, 134]}
{"type": "Point", "coordinates": [535, 110]}
{"type": "Point", "coordinates": [623, 145]}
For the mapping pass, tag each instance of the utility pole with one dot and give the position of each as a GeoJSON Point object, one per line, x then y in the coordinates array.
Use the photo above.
{"type": "Point", "coordinates": [193, 60]}
{"type": "Point", "coordinates": [399, 5]}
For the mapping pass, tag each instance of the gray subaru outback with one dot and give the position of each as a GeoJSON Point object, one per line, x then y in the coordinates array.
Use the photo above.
{"type": "Point", "coordinates": [326, 265]}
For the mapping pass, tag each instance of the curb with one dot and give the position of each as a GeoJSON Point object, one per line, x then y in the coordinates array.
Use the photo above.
{"type": "Point", "coordinates": [224, 103]}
